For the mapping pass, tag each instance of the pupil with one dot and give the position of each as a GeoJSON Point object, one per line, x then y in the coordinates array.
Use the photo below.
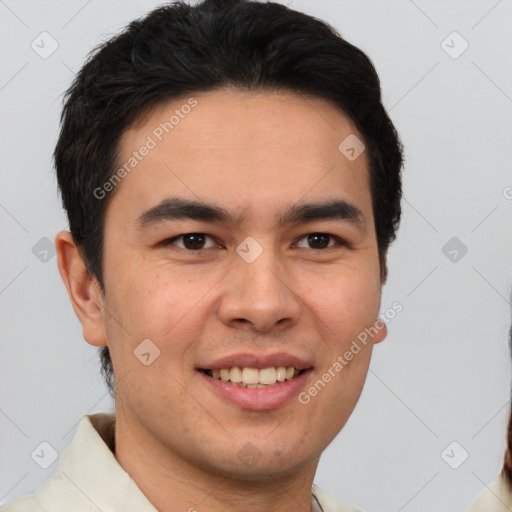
{"type": "Point", "coordinates": [193, 241]}
{"type": "Point", "coordinates": [318, 241]}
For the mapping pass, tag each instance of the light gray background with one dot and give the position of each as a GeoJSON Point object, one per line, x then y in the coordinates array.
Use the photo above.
{"type": "Point", "coordinates": [443, 373]}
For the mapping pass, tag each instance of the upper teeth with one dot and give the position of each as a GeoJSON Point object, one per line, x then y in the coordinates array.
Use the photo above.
{"type": "Point", "coordinates": [252, 377]}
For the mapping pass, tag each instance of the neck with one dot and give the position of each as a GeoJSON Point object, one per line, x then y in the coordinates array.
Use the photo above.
{"type": "Point", "coordinates": [173, 484]}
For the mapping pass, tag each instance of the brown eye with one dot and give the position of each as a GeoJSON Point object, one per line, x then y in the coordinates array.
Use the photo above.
{"type": "Point", "coordinates": [191, 241]}
{"type": "Point", "coordinates": [194, 241]}
{"type": "Point", "coordinates": [317, 241]}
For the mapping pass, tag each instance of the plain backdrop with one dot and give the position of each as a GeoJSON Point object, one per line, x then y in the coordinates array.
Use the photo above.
{"type": "Point", "coordinates": [438, 387]}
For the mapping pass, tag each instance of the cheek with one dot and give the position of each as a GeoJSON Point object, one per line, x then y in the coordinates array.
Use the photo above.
{"type": "Point", "coordinates": [159, 304]}
{"type": "Point", "coordinates": [345, 304]}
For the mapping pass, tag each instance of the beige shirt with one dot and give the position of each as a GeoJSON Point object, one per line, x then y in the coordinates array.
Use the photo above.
{"type": "Point", "coordinates": [496, 497]}
{"type": "Point", "coordinates": [90, 479]}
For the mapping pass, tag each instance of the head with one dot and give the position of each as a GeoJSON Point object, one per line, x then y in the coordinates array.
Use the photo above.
{"type": "Point", "coordinates": [241, 107]}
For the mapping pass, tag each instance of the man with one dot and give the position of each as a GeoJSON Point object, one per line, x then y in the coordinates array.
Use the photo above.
{"type": "Point", "coordinates": [232, 183]}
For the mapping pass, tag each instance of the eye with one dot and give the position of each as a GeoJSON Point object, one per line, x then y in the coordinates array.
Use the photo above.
{"type": "Point", "coordinates": [319, 241]}
{"type": "Point", "coordinates": [191, 241]}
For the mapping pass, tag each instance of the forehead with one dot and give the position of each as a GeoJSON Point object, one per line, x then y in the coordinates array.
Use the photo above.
{"type": "Point", "coordinates": [249, 149]}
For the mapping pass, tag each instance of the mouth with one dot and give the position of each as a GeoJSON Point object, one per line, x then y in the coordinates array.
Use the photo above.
{"type": "Point", "coordinates": [249, 377]}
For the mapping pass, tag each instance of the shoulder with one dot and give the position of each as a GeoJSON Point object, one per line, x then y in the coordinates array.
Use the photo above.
{"type": "Point", "coordinates": [330, 504]}
{"type": "Point", "coordinates": [25, 503]}
{"type": "Point", "coordinates": [496, 497]}
{"type": "Point", "coordinates": [53, 494]}
{"type": "Point", "coordinates": [57, 493]}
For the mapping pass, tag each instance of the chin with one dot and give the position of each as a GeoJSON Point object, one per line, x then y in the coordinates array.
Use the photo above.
{"type": "Point", "coordinates": [249, 464]}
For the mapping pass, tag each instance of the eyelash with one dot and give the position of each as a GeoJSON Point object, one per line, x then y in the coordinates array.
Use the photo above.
{"type": "Point", "coordinates": [170, 241]}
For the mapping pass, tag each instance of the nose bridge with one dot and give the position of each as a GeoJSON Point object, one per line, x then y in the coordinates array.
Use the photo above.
{"type": "Point", "coordinates": [258, 291]}
{"type": "Point", "coordinates": [264, 276]}
{"type": "Point", "coordinates": [260, 272]}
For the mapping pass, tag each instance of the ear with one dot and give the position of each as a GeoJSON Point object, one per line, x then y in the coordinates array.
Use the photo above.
{"type": "Point", "coordinates": [383, 264]}
{"type": "Point", "coordinates": [83, 289]}
{"type": "Point", "coordinates": [382, 331]}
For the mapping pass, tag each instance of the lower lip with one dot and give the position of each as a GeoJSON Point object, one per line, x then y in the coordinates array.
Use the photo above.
{"type": "Point", "coordinates": [258, 399]}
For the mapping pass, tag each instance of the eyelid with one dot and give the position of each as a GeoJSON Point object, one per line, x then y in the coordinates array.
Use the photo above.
{"type": "Point", "coordinates": [170, 241]}
{"type": "Point", "coordinates": [338, 239]}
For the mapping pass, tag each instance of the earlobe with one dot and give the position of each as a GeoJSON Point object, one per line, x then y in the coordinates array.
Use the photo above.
{"type": "Point", "coordinates": [83, 289]}
{"type": "Point", "coordinates": [382, 331]}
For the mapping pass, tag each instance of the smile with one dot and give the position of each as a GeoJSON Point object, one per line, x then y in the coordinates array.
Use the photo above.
{"type": "Point", "coordinates": [248, 377]}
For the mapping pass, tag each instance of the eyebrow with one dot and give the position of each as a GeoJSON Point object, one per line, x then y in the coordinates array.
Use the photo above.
{"type": "Point", "coordinates": [176, 208]}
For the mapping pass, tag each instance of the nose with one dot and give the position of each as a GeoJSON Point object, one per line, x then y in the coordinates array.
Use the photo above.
{"type": "Point", "coordinates": [259, 296]}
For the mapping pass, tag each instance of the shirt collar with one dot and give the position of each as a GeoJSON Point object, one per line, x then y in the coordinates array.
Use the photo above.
{"type": "Point", "coordinates": [90, 476]}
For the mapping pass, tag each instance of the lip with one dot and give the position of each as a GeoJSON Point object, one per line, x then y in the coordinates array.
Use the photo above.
{"type": "Point", "coordinates": [260, 361]}
{"type": "Point", "coordinates": [257, 399]}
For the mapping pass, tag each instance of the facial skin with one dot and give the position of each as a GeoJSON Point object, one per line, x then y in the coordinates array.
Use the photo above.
{"type": "Point", "coordinates": [256, 155]}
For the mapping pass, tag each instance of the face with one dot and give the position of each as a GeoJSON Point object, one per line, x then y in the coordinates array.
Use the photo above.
{"type": "Point", "coordinates": [241, 242]}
